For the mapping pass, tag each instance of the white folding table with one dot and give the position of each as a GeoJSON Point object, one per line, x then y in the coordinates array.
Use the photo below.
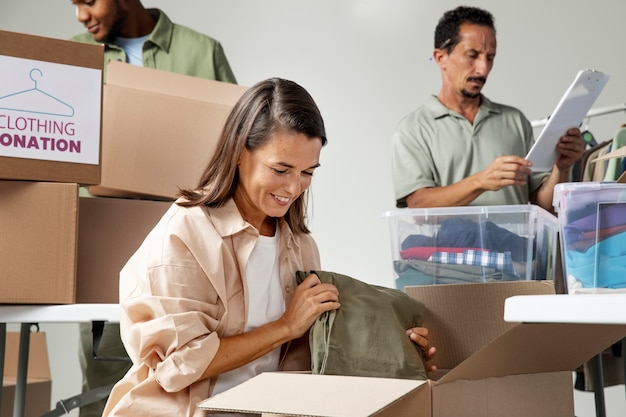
{"type": "Point", "coordinates": [597, 308]}
{"type": "Point", "coordinates": [28, 315]}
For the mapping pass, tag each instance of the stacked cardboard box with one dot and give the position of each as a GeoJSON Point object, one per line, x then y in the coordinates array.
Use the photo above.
{"type": "Point", "coordinates": [158, 132]}
{"type": "Point", "coordinates": [50, 113]}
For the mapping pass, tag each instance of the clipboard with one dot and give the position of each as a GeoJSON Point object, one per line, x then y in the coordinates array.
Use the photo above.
{"type": "Point", "coordinates": [569, 112]}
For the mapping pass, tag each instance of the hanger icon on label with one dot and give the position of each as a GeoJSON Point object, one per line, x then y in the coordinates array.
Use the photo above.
{"type": "Point", "coordinates": [35, 100]}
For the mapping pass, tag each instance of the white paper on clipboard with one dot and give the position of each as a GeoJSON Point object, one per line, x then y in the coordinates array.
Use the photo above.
{"type": "Point", "coordinates": [570, 112]}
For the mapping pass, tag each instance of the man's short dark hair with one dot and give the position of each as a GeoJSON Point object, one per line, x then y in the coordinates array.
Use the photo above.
{"type": "Point", "coordinates": [447, 30]}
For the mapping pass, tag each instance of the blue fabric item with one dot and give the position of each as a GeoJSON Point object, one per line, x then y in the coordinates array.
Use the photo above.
{"type": "Point", "coordinates": [602, 265]}
{"type": "Point", "coordinates": [610, 215]}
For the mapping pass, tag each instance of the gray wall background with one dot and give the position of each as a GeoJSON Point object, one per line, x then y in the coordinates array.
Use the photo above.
{"type": "Point", "coordinates": [366, 62]}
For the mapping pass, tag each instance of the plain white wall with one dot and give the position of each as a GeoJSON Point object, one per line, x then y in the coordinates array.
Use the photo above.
{"type": "Point", "coordinates": [366, 62]}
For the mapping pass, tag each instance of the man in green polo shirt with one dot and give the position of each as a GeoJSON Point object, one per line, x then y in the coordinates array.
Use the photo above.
{"type": "Point", "coordinates": [144, 37]}
{"type": "Point", "coordinates": [460, 148]}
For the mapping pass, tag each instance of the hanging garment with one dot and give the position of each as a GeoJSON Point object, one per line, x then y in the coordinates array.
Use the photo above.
{"type": "Point", "coordinates": [614, 165]}
{"type": "Point", "coordinates": [594, 171]}
{"type": "Point", "coordinates": [366, 336]}
{"type": "Point", "coordinates": [580, 166]}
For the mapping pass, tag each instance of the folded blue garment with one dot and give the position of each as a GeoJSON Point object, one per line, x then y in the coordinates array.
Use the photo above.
{"type": "Point", "coordinates": [603, 265]}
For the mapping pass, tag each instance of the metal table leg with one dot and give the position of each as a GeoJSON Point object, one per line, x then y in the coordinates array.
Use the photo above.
{"type": "Point", "coordinates": [22, 371]}
{"type": "Point", "coordinates": [3, 342]}
{"type": "Point", "coordinates": [598, 384]}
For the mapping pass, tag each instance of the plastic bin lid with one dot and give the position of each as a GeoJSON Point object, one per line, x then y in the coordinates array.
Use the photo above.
{"type": "Point", "coordinates": [578, 188]}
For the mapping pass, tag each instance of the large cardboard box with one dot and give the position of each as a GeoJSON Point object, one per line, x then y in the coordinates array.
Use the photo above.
{"type": "Point", "coordinates": [159, 130]}
{"type": "Point", "coordinates": [50, 109]}
{"type": "Point", "coordinates": [486, 366]}
{"type": "Point", "coordinates": [110, 231]}
{"type": "Point", "coordinates": [39, 386]}
{"type": "Point", "coordinates": [38, 229]}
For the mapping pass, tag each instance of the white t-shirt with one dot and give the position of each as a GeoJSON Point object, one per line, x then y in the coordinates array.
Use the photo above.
{"type": "Point", "coordinates": [266, 304]}
{"type": "Point", "coordinates": [133, 47]}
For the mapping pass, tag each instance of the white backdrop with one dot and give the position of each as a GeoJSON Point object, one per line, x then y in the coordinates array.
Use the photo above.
{"type": "Point", "coordinates": [366, 62]}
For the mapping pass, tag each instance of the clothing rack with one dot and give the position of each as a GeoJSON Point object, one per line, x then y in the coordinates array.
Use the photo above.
{"type": "Point", "coordinates": [592, 113]}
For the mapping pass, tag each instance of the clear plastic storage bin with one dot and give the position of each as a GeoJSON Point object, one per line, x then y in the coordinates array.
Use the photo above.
{"type": "Point", "coordinates": [472, 244]}
{"type": "Point", "coordinates": [592, 221]}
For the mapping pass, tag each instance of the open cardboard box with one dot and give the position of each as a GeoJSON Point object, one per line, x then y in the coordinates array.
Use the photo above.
{"type": "Point", "coordinates": [38, 381]}
{"type": "Point", "coordinates": [159, 130]}
{"type": "Point", "coordinates": [50, 109]}
{"type": "Point", "coordinates": [487, 367]}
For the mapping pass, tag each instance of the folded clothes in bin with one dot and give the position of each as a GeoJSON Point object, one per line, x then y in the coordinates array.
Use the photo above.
{"type": "Point", "coordinates": [592, 217]}
{"type": "Point", "coordinates": [602, 265]}
{"type": "Point", "coordinates": [601, 224]}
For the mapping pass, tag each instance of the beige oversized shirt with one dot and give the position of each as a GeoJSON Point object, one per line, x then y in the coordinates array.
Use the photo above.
{"type": "Point", "coordinates": [179, 293]}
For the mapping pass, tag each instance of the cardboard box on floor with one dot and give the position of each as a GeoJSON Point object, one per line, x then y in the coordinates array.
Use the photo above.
{"type": "Point", "coordinates": [487, 367]}
{"type": "Point", "coordinates": [39, 386]}
{"type": "Point", "coordinates": [57, 248]}
{"type": "Point", "coordinates": [110, 231]}
{"type": "Point", "coordinates": [50, 109]}
{"type": "Point", "coordinates": [159, 130]}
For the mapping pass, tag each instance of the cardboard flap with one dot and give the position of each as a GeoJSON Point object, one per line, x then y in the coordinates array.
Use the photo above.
{"type": "Point", "coordinates": [463, 318]}
{"type": "Point", "coordinates": [529, 348]}
{"type": "Point", "coordinates": [162, 82]}
{"type": "Point", "coordinates": [293, 394]}
{"type": "Point", "coordinates": [38, 48]}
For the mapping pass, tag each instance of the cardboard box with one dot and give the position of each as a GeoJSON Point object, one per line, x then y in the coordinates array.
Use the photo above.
{"type": "Point", "coordinates": [453, 245]}
{"type": "Point", "coordinates": [159, 130]}
{"type": "Point", "coordinates": [592, 218]}
{"type": "Point", "coordinates": [50, 109]}
{"type": "Point", "coordinates": [38, 229]}
{"type": "Point", "coordinates": [110, 231]}
{"type": "Point", "coordinates": [57, 248]}
{"type": "Point", "coordinates": [487, 367]}
{"type": "Point", "coordinates": [39, 386]}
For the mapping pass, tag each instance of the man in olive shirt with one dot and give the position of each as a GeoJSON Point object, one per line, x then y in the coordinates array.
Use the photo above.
{"type": "Point", "coordinates": [147, 37]}
{"type": "Point", "coordinates": [144, 37]}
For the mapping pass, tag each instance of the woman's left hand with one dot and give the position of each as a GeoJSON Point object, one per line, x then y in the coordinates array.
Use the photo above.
{"type": "Point", "coordinates": [419, 335]}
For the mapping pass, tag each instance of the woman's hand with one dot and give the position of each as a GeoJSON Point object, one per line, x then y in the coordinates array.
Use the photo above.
{"type": "Point", "coordinates": [419, 335]}
{"type": "Point", "coordinates": [310, 299]}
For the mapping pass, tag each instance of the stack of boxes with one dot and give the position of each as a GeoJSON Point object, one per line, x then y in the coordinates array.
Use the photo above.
{"type": "Point", "coordinates": [50, 110]}
{"type": "Point", "coordinates": [159, 131]}
{"type": "Point", "coordinates": [134, 140]}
